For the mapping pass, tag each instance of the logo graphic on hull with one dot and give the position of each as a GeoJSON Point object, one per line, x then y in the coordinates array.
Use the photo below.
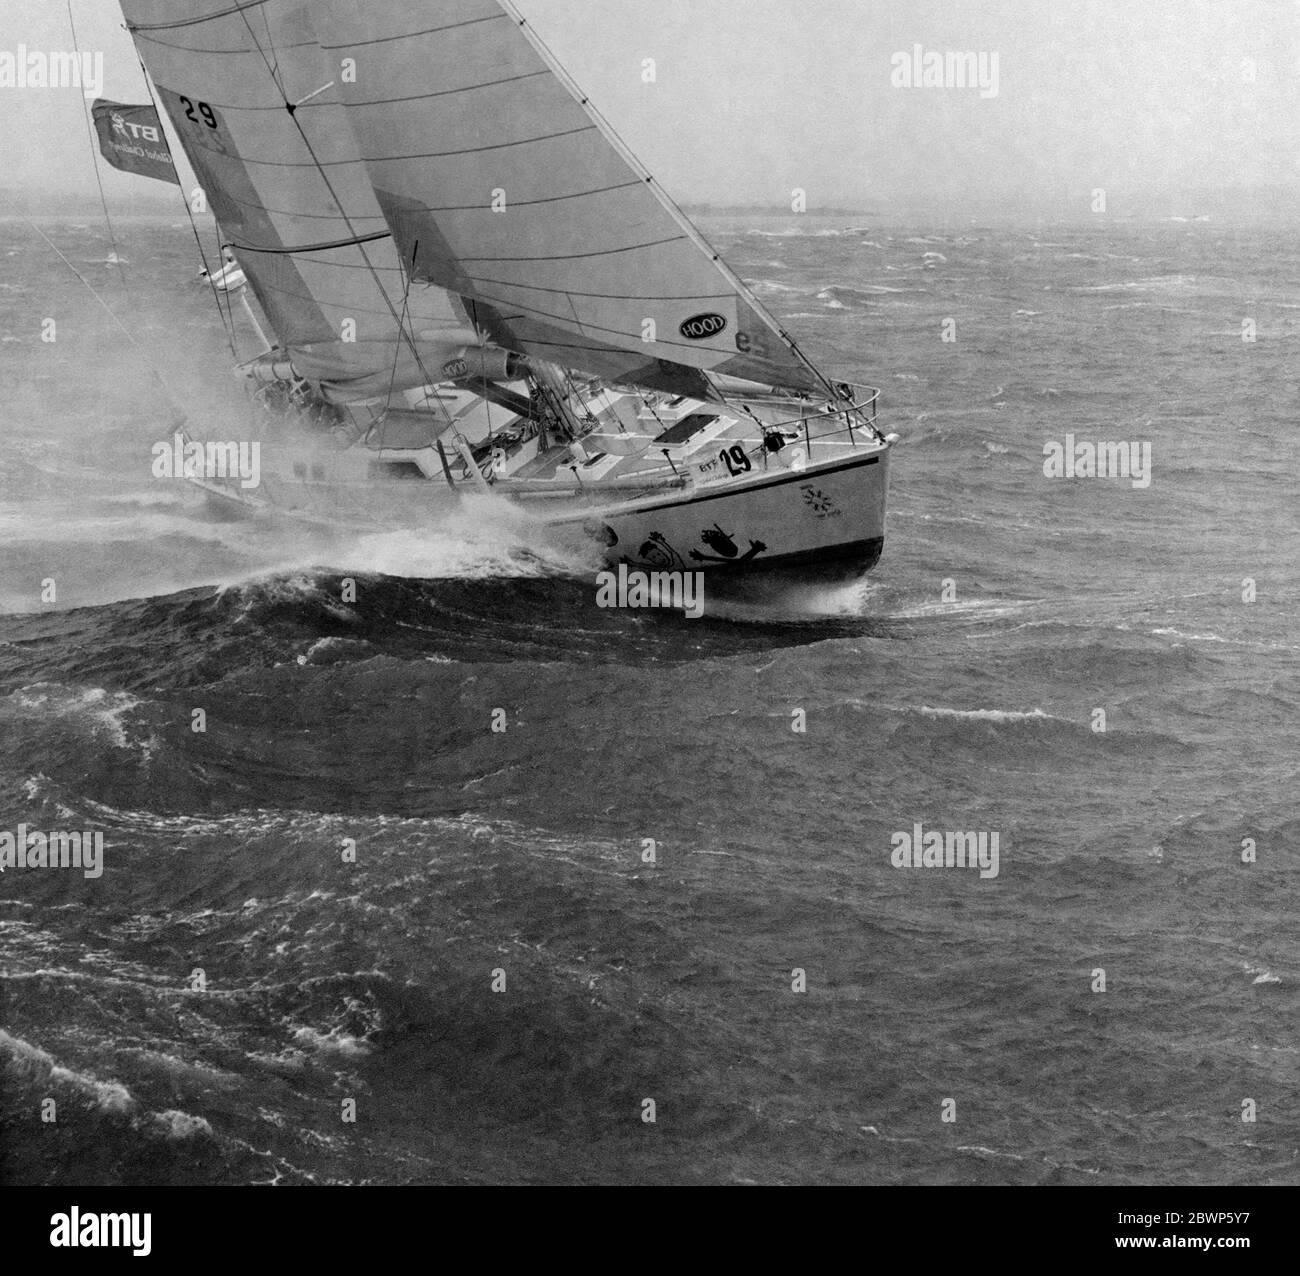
{"type": "Point", "coordinates": [728, 552]}
{"type": "Point", "coordinates": [657, 552]}
{"type": "Point", "coordinates": [817, 501]}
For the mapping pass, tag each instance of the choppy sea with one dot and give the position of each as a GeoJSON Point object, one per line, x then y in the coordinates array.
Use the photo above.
{"type": "Point", "coordinates": [500, 981]}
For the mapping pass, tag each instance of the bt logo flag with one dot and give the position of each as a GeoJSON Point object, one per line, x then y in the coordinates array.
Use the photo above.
{"type": "Point", "coordinates": [131, 138]}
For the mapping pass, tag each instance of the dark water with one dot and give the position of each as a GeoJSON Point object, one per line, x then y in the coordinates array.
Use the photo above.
{"type": "Point", "coordinates": [520, 851]}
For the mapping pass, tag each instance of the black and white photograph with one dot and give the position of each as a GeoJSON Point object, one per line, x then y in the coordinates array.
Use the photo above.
{"type": "Point", "coordinates": [597, 593]}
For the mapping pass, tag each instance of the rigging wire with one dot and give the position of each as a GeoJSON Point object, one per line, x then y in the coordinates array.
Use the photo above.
{"type": "Point", "coordinates": [223, 291]}
{"type": "Point", "coordinates": [482, 363]}
{"type": "Point", "coordinates": [227, 314]}
{"type": "Point", "coordinates": [397, 345]}
{"type": "Point", "coordinates": [94, 156]}
{"type": "Point", "coordinates": [180, 419]}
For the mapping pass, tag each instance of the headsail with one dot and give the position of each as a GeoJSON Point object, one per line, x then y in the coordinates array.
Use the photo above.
{"type": "Point", "coordinates": [505, 187]}
{"type": "Point", "coordinates": [291, 193]}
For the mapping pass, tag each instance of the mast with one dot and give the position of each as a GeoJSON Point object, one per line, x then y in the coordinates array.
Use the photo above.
{"type": "Point", "coordinates": [550, 381]}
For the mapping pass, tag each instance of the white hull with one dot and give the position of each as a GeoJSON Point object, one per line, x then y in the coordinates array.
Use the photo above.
{"type": "Point", "coordinates": [679, 486]}
{"type": "Point", "coordinates": [826, 519]}
{"type": "Point", "coordinates": [830, 518]}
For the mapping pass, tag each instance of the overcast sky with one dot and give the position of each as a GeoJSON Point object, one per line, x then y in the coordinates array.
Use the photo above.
{"type": "Point", "coordinates": [1170, 105]}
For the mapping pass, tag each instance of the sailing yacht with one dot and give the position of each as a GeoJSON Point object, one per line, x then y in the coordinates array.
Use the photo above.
{"type": "Point", "coordinates": [475, 289]}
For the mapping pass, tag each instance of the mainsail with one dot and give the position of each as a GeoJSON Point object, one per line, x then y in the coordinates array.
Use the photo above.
{"type": "Point", "coordinates": [503, 185]}
{"type": "Point", "coordinates": [291, 194]}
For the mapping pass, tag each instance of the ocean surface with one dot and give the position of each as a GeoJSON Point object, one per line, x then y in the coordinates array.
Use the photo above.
{"type": "Point", "coordinates": [956, 687]}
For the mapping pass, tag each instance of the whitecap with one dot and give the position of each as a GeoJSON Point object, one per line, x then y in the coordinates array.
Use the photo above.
{"type": "Point", "coordinates": [986, 715]}
{"type": "Point", "coordinates": [181, 1125]}
{"type": "Point", "coordinates": [332, 1042]}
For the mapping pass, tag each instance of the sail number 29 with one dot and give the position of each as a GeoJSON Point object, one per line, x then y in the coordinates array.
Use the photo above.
{"type": "Point", "coordinates": [209, 116]}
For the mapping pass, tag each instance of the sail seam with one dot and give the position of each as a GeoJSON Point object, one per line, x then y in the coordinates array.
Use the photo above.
{"type": "Point", "coordinates": [604, 348]}
{"type": "Point", "coordinates": [603, 252]}
{"type": "Point", "coordinates": [252, 159]}
{"type": "Point", "coordinates": [344, 308]}
{"type": "Point", "coordinates": [227, 12]}
{"type": "Point", "coordinates": [385, 159]}
{"type": "Point", "coordinates": [528, 203]}
{"type": "Point", "coordinates": [411, 35]}
{"type": "Point", "coordinates": [190, 48]}
{"type": "Point", "coordinates": [270, 106]}
{"type": "Point", "coordinates": [476, 150]}
{"type": "Point", "coordinates": [293, 212]}
{"type": "Point", "coordinates": [379, 101]}
{"type": "Point", "coordinates": [612, 296]}
{"type": "Point", "coordinates": [467, 88]}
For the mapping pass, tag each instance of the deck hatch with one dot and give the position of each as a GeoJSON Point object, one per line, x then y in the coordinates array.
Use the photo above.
{"type": "Point", "coordinates": [686, 427]}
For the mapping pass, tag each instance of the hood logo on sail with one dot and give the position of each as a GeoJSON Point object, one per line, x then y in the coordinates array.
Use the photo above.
{"type": "Point", "coordinates": [701, 327]}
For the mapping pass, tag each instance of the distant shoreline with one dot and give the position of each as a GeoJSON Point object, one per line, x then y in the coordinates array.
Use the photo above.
{"type": "Point", "coordinates": [766, 210]}
{"type": "Point", "coordinates": [17, 205]}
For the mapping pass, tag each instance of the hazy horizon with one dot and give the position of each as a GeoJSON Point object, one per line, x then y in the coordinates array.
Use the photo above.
{"type": "Point", "coordinates": [1180, 107]}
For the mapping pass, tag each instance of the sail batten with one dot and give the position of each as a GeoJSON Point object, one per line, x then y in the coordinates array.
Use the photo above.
{"type": "Point", "coordinates": [312, 248]}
